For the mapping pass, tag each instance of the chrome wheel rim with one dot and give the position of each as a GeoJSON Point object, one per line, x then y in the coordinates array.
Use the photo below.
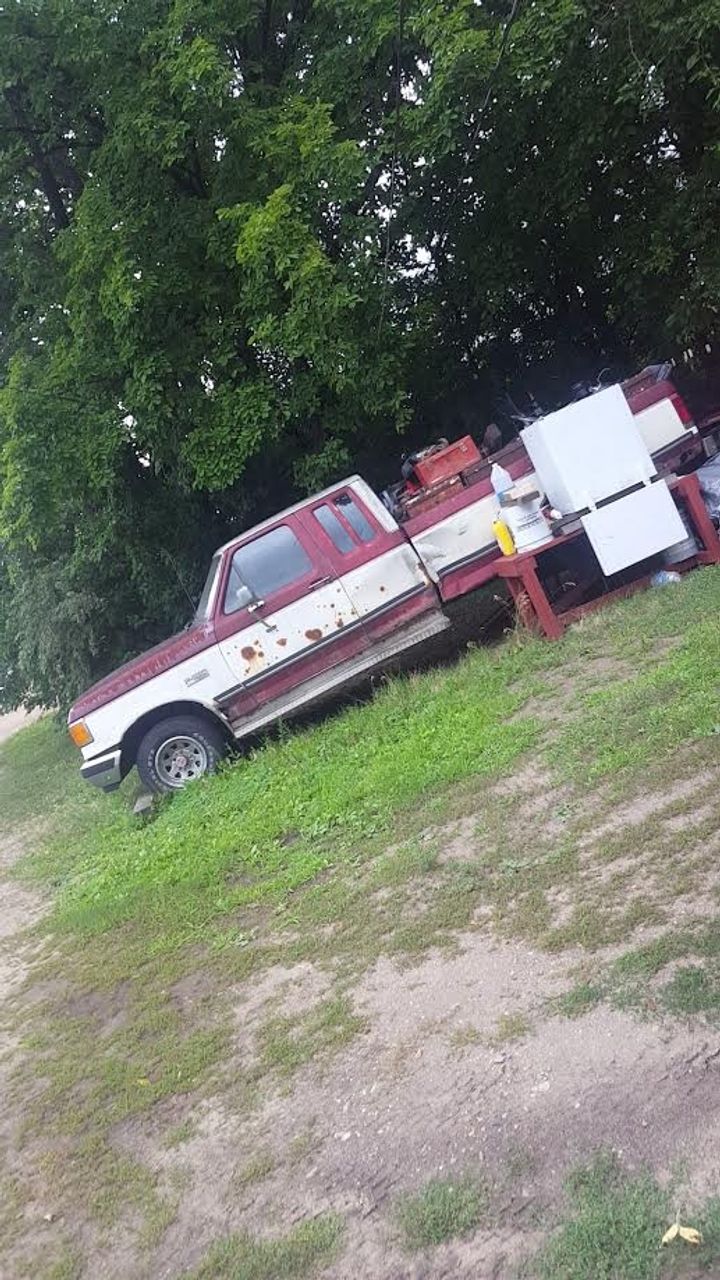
{"type": "Point", "coordinates": [180, 760]}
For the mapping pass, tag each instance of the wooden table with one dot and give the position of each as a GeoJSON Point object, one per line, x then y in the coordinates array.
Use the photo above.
{"type": "Point", "coordinates": [521, 570]}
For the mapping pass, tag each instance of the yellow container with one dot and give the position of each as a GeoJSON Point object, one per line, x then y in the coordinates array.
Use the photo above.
{"type": "Point", "coordinates": [504, 537]}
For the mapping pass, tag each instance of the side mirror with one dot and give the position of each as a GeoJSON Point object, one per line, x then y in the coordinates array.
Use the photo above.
{"type": "Point", "coordinates": [243, 596]}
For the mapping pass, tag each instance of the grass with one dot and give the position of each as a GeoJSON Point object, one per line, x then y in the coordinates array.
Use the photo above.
{"type": "Point", "coordinates": [286, 1044]}
{"type": "Point", "coordinates": [302, 1145]}
{"type": "Point", "coordinates": [180, 1133]}
{"type": "Point", "coordinates": [578, 1000]}
{"type": "Point", "coordinates": [326, 846]}
{"type": "Point", "coordinates": [57, 798]}
{"type": "Point", "coordinates": [340, 787]}
{"type": "Point", "coordinates": [464, 1038]}
{"type": "Point", "coordinates": [259, 1167]}
{"type": "Point", "coordinates": [612, 1229]}
{"type": "Point", "coordinates": [292, 1257]}
{"type": "Point", "coordinates": [334, 783]}
{"type": "Point", "coordinates": [107, 1079]}
{"type": "Point", "coordinates": [677, 975]}
{"type": "Point", "coordinates": [692, 990]}
{"type": "Point", "coordinates": [628, 724]}
{"type": "Point", "coordinates": [444, 1209]}
{"type": "Point", "coordinates": [509, 1027]}
{"type": "Point", "coordinates": [107, 1184]}
{"type": "Point", "coordinates": [68, 1266]}
{"type": "Point", "coordinates": [41, 752]}
{"type": "Point", "coordinates": [12, 1203]}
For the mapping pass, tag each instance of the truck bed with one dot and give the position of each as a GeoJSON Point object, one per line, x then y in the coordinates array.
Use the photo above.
{"type": "Point", "coordinates": [451, 527]}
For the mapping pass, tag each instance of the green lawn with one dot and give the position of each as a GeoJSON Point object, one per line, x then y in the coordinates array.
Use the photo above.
{"type": "Point", "coordinates": [613, 1227]}
{"type": "Point", "coordinates": [305, 802]}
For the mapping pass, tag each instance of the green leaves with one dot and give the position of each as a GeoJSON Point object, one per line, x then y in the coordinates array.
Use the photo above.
{"type": "Point", "coordinates": [243, 422]}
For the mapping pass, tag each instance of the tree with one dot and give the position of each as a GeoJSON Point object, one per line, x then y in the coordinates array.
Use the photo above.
{"type": "Point", "coordinates": [244, 246]}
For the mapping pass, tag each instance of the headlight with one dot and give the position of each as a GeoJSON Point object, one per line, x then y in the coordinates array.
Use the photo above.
{"type": "Point", "coordinates": [80, 734]}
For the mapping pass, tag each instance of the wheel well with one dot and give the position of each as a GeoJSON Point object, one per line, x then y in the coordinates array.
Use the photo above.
{"type": "Point", "coordinates": [133, 736]}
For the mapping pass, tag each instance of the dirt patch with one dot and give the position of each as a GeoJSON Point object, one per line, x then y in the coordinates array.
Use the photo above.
{"type": "Point", "coordinates": [699, 813]}
{"type": "Point", "coordinates": [535, 798]}
{"type": "Point", "coordinates": [603, 669]}
{"type": "Point", "coordinates": [191, 990]}
{"type": "Point", "coordinates": [288, 989]}
{"type": "Point", "coordinates": [13, 721]}
{"type": "Point", "coordinates": [460, 841]}
{"type": "Point", "coordinates": [399, 1106]}
{"type": "Point", "coordinates": [107, 1009]}
{"type": "Point", "coordinates": [653, 802]}
{"type": "Point", "coordinates": [21, 910]}
{"type": "Point", "coordinates": [559, 701]}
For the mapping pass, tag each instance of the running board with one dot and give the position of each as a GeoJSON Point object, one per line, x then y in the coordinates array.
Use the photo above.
{"type": "Point", "coordinates": [343, 673]}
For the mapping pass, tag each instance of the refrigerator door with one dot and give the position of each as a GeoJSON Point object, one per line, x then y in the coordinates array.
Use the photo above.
{"type": "Point", "coordinates": [634, 527]}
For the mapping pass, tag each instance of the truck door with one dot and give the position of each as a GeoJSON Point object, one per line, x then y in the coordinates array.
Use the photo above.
{"type": "Point", "coordinates": [282, 615]}
{"type": "Point", "coordinates": [385, 581]}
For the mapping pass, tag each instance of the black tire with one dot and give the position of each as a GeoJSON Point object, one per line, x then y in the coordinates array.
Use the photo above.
{"type": "Point", "coordinates": [206, 746]}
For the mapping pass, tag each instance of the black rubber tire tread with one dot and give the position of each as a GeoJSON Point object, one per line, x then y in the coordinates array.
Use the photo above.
{"type": "Point", "coordinates": [187, 726]}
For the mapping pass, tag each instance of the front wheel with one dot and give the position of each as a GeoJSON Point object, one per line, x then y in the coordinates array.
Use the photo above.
{"type": "Point", "coordinates": [178, 751]}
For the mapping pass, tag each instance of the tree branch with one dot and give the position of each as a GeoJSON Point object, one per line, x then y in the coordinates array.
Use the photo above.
{"type": "Point", "coordinates": [13, 98]}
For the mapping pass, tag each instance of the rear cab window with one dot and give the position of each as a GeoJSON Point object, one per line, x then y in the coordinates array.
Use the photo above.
{"type": "Point", "coordinates": [334, 528]}
{"type": "Point", "coordinates": [355, 517]}
{"type": "Point", "coordinates": [345, 523]}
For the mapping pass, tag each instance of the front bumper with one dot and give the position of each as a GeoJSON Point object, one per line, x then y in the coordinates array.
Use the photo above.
{"type": "Point", "coordinates": [104, 772]}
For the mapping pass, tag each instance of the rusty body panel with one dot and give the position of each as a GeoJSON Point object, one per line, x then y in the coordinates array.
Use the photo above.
{"type": "Point", "coordinates": [155, 662]}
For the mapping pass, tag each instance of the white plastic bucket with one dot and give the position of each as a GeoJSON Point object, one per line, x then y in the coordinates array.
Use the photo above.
{"type": "Point", "coordinates": [526, 522]}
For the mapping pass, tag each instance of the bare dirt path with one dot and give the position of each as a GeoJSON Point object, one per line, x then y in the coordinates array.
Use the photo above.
{"type": "Point", "coordinates": [19, 907]}
{"type": "Point", "coordinates": [14, 720]}
{"type": "Point", "coordinates": [20, 910]}
{"type": "Point", "coordinates": [426, 1092]}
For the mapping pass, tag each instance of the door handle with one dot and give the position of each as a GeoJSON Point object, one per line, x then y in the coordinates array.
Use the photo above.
{"type": "Point", "coordinates": [321, 582]}
{"type": "Point", "coordinates": [256, 604]}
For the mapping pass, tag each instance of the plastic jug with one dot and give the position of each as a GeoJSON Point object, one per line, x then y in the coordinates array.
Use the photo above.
{"type": "Point", "coordinates": [500, 479]}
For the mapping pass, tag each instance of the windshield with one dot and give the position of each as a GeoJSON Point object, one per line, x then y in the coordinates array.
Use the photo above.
{"type": "Point", "coordinates": [202, 612]}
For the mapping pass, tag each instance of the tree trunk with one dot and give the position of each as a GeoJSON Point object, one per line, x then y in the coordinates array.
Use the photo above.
{"type": "Point", "coordinates": [48, 181]}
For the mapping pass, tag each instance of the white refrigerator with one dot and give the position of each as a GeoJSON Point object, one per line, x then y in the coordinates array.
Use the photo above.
{"type": "Point", "coordinates": [585, 456]}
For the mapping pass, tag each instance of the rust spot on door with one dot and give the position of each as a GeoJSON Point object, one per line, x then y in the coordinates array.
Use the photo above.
{"type": "Point", "coordinates": [254, 659]}
{"type": "Point", "coordinates": [382, 588]}
{"type": "Point", "coordinates": [339, 622]}
{"type": "Point", "coordinates": [282, 641]}
{"type": "Point", "coordinates": [314, 634]}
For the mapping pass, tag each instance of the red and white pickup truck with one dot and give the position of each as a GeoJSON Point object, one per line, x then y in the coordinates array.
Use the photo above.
{"type": "Point", "coordinates": [312, 599]}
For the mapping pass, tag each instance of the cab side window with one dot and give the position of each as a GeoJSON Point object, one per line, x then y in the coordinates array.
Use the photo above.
{"type": "Point", "coordinates": [264, 566]}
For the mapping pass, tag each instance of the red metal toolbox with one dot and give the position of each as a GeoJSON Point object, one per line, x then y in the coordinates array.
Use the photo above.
{"type": "Point", "coordinates": [447, 462]}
